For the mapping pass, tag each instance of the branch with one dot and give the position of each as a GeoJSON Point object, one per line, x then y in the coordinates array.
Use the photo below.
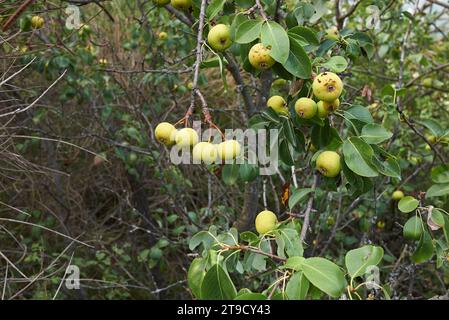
{"type": "Point", "coordinates": [261, 10]}
{"type": "Point", "coordinates": [182, 17]}
{"type": "Point", "coordinates": [255, 250]}
{"type": "Point", "coordinates": [305, 226]}
{"type": "Point", "coordinates": [445, 5]}
{"type": "Point", "coordinates": [16, 14]}
{"type": "Point", "coordinates": [341, 18]}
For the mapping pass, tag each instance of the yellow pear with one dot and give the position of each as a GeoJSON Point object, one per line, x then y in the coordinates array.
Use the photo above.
{"type": "Point", "coordinates": [205, 152]}
{"type": "Point", "coordinates": [265, 221]}
{"type": "Point", "coordinates": [306, 108]}
{"type": "Point", "coordinates": [397, 195]}
{"type": "Point", "coordinates": [219, 37]}
{"type": "Point", "coordinates": [161, 2]}
{"type": "Point", "coordinates": [331, 106]}
{"type": "Point", "coordinates": [37, 22]}
{"type": "Point", "coordinates": [278, 104]}
{"type": "Point", "coordinates": [228, 150]}
{"type": "Point", "coordinates": [181, 4]}
{"type": "Point", "coordinates": [259, 57]}
{"type": "Point", "coordinates": [322, 111]}
{"type": "Point", "coordinates": [162, 35]}
{"type": "Point", "coordinates": [165, 133]}
{"type": "Point", "coordinates": [327, 86]}
{"type": "Point", "coordinates": [186, 137]}
{"type": "Point", "coordinates": [332, 34]}
{"type": "Point", "coordinates": [328, 164]}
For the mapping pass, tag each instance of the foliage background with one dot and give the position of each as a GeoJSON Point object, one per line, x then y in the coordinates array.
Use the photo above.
{"type": "Point", "coordinates": [136, 210]}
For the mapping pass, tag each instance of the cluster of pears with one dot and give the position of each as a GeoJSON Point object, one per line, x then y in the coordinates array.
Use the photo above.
{"type": "Point", "coordinates": [205, 152]}
{"type": "Point", "coordinates": [327, 87]}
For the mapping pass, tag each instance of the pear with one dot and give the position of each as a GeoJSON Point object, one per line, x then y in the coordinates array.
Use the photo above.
{"type": "Point", "coordinates": [278, 104]}
{"type": "Point", "coordinates": [265, 221]}
{"type": "Point", "coordinates": [327, 86]}
{"type": "Point", "coordinates": [306, 108]}
{"type": "Point", "coordinates": [328, 164]}
{"type": "Point", "coordinates": [205, 152]}
{"type": "Point", "coordinates": [181, 4]}
{"type": "Point", "coordinates": [186, 137]}
{"type": "Point", "coordinates": [397, 195]}
{"type": "Point", "coordinates": [259, 57]}
{"type": "Point", "coordinates": [165, 133]}
{"type": "Point", "coordinates": [219, 37]}
{"type": "Point", "coordinates": [228, 150]}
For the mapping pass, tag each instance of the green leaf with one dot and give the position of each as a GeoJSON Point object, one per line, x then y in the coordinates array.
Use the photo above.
{"type": "Point", "coordinates": [297, 195]}
{"type": "Point", "coordinates": [297, 287]}
{"type": "Point", "coordinates": [251, 296]}
{"type": "Point", "coordinates": [217, 285]}
{"type": "Point", "coordinates": [306, 33]}
{"type": "Point", "coordinates": [424, 250]}
{"type": "Point", "coordinates": [286, 153]}
{"type": "Point", "coordinates": [274, 35]}
{"type": "Point", "coordinates": [294, 263]}
{"type": "Point", "coordinates": [230, 173]}
{"type": "Point", "coordinates": [289, 131]}
{"type": "Point", "coordinates": [408, 204]}
{"type": "Point", "coordinates": [214, 7]}
{"type": "Point", "coordinates": [195, 276]}
{"type": "Point", "coordinates": [203, 237]}
{"type": "Point", "coordinates": [373, 133]}
{"type": "Point", "coordinates": [298, 62]}
{"type": "Point", "coordinates": [359, 113]}
{"type": "Point", "coordinates": [413, 228]}
{"type": "Point", "coordinates": [358, 157]}
{"type": "Point", "coordinates": [438, 190]}
{"type": "Point", "coordinates": [325, 275]}
{"type": "Point", "coordinates": [435, 219]}
{"type": "Point", "coordinates": [433, 125]}
{"type": "Point", "coordinates": [336, 64]}
{"type": "Point", "coordinates": [440, 174]}
{"type": "Point", "coordinates": [358, 260]}
{"type": "Point", "coordinates": [248, 31]}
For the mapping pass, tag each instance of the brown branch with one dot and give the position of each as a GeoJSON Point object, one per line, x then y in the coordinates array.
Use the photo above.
{"type": "Point", "coordinates": [445, 5]}
{"type": "Point", "coordinates": [341, 18]}
{"type": "Point", "coordinates": [16, 14]}
{"type": "Point", "coordinates": [306, 223]}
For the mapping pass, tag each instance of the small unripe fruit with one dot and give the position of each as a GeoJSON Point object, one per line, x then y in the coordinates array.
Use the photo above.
{"type": "Point", "coordinates": [328, 164]}
{"type": "Point", "coordinates": [380, 224]}
{"type": "Point", "coordinates": [205, 152]}
{"type": "Point", "coordinates": [322, 111]}
{"type": "Point", "coordinates": [186, 137]}
{"type": "Point", "coordinates": [161, 2]}
{"type": "Point", "coordinates": [306, 108]}
{"type": "Point", "coordinates": [37, 22]}
{"type": "Point", "coordinates": [259, 57]}
{"type": "Point", "coordinates": [181, 4]}
{"type": "Point", "coordinates": [397, 195]}
{"type": "Point", "coordinates": [228, 150]}
{"type": "Point", "coordinates": [190, 85]}
{"type": "Point", "coordinates": [162, 35]}
{"type": "Point", "coordinates": [132, 157]}
{"type": "Point", "coordinates": [279, 82]}
{"type": "Point", "coordinates": [427, 82]}
{"type": "Point", "coordinates": [327, 86]}
{"type": "Point", "coordinates": [103, 62]}
{"type": "Point", "coordinates": [165, 133]}
{"type": "Point", "coordinates": [266, 221]}
{"type": "Point", "coordinates": [332, 34]}
{"type": "Point", "coordinates": [278, 104]}
{"type": "Point", "coordinates": [427, 147]}
{"type": "Point", "coordinates": [219, 37]}
{"type": "Point", "coordinates": [331, 106]}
